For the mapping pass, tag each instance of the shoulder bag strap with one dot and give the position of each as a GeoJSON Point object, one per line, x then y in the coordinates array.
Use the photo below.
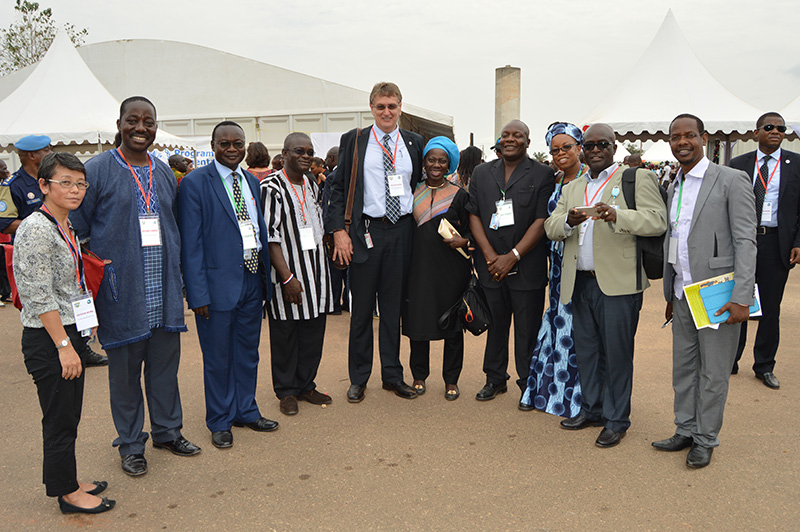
{"type": "Point", "coordinates": [348, 211]}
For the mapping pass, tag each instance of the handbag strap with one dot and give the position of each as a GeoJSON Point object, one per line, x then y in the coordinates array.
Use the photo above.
{"type": "Point", "coordinates": [348, 211]}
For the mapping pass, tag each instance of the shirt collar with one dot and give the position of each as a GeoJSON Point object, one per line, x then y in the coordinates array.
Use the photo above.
{"type": "Point", "coordinates": [604, 174]}
{"type": "Point", "coordinates": [698, 170]}
{"type": "Point", "coordinates": [225, 172]}
{"type": "Point", "coordinates": [775, 155]}
{"type": "Point", "coordinates": [380, 133]}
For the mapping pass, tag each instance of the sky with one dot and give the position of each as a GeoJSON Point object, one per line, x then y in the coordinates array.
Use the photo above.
{"type": "Point", "coordinates": [443, 53]}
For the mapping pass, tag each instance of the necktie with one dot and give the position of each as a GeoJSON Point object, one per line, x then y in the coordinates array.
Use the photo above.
{"type": "Point", "coordinates": [243, 216]}
{"type": "Point", "coordinates": [759, 189]}
{"type": "Point", "coordinates": [392, 202]}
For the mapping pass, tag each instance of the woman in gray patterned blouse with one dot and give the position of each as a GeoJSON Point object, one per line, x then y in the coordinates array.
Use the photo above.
{"type": "Point", "coordinates": [48, 269]}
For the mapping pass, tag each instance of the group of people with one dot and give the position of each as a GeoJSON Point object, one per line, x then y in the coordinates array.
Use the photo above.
{"type": "Point", "coordinates": [411, 237]}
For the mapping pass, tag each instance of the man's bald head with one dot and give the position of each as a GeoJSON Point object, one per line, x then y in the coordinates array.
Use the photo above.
{"type": "Point", "coordinates": [602, 131]}
{"type": "Point", "coordinates": [635, 160]}
{"type": "Point", "coordinates": [292, 139]}
{"type": "Point", "coordinates": [521, 125]}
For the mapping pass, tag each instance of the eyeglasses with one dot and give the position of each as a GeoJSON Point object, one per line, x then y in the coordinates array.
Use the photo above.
{"type": "Point", "coordinates": [565, 148]}
{"type": "Point", "coordinates": [770, 127]}
{"type": "Point", "coordinates": [382, 107]}
{"type": "Point", "coordinates": [689, 136]}
{"type": "Point", "coordinates": [225, 144]}
{"type": "Point", "coordinates": [67, 184]}
{"type": "Point", "coordinates": [300, 152]}
{"type": "Point", "coordinates": [590, 146]}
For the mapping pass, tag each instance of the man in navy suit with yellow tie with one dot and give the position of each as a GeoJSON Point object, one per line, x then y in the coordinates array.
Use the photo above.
{"type": "Point", "coordinates": [224, 251]}
{"type": "Point", "coordinates": [775, 175]}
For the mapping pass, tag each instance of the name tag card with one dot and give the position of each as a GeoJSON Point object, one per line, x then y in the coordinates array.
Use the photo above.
{"type": "Point", "coordinates": [151, 230]}
{"type": "Point", "coordinates": [505, 213]}
{"type": "Point", "coordinates": [672, 255]}
{"type": "Point", "coordinates": [307, 242]}
{"type": "Point", "coordinates": [395, 185]}
{"type": "Point", "coordinates": [248, 235]}
{"type": "Point", "coordinates": [582, 232]}
{"type": "Point", "coordinates": [766, 212]}
{"type": "Point", "coordinates": [84, 313]}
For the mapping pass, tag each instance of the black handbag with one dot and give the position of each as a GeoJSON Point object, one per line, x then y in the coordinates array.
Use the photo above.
{"type": "Point", "coordinates": [470, 312]}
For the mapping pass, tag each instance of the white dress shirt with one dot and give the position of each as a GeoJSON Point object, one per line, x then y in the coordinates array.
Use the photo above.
{"type": "Point", "coordinates": [686, 190]}
{"type": "Point", "coordinates": [247, 195]}
{"type": "Point", "coordinates": [594, 189]}
{"type": "Point", "coordinates": [773, 186]}
{"type": "Point", "coordinates": [374, 176]}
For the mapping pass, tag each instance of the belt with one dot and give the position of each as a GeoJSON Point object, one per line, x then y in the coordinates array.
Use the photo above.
{"type": "Point", "coordinates": [385, 220]}
{"type": "Point", "coordinates": [763, 230]}
{"type": "Point", "coordinates": [588, 273]}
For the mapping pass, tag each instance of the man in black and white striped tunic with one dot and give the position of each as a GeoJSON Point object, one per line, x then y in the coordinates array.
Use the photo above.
{"type": "Point", "coordinates": [299, 274]}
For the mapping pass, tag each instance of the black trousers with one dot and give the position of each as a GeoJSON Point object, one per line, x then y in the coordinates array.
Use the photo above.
{"type": "Point", "coordinates": [384, 274]}
{"type": "Point", "coordinates": [339, 280]}
{"type": "Point", "coordinates": [61, 401]}
{"type": "Point", "coordinates": [452, 360]}
{"type": "Point", "coordinates": [296, 351]}
{"type": "Point", "coordinates": [527, 307]}
{"type": "Point", "coordinates": [771, 276]}
{"type": "Point", "coordinates": [5, 286]}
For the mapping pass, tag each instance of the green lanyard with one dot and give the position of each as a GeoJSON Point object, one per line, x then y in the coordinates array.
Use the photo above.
{"type": "Point", "coordinates": [678, 213]}
{"type": "Point", "coordinates": [237, 206]}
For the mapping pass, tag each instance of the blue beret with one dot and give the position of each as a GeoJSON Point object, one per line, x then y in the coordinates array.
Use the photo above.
{"type": "Point", "coordinates": [446, 145]}
{"type": "Point", "coordinates": [32, 143]}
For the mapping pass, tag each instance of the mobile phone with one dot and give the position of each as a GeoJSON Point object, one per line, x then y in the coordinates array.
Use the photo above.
{"type": "Point", "coordinates": [589, 211]}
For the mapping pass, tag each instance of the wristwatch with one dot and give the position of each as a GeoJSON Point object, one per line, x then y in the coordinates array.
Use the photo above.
{"type": "Point", "coordinates": [63, 343]}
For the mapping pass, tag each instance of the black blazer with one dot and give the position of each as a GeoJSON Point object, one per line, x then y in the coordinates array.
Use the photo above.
{"type": "Point", "coordinates": [788, 198]}
{"type": "Point", "coordinates": [340, 187]}
{"type": "Point", "coordinates": [529, 188]}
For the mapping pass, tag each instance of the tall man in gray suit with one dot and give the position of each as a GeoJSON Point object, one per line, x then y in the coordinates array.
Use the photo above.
{"type": "Point", "coordinates": [712, 231]}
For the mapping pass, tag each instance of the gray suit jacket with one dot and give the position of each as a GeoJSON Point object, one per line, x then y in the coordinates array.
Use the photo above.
{"type": "Point", "coordinates": [723, 233]}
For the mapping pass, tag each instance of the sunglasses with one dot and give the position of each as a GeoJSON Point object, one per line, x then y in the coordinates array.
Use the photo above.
{"type": "Point", "coordinates": [225, 144]}
{"type": "Point", "coordinates": [770, 127]}
{"type": "Point", "coordinates": [590, 146]}
{"type": "Point", "coordinates": [382, 107]}
{"type": "Point", "coordinates": [300, 152]}
{"type": "Point", "coordinates": [565, 148]}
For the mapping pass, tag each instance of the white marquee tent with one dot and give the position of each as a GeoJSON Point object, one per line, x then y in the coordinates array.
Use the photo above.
{"type": "Point", "coordinates": [639, 108]}
{"type": "Point", "coordinates": [61, 98]}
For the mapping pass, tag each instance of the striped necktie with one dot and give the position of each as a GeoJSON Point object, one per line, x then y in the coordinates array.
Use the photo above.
{"type": "Point", "coordinates": [392, 202]}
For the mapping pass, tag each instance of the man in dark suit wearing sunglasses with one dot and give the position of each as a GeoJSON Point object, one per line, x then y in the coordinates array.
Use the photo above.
{"type": "Point", "coordinates": [775, 174]}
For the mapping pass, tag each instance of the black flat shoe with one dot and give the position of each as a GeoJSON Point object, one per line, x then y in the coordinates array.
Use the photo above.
{"type": "Point", "coordinates": [104, 506]}
{"type": "Point", "coordinates": [452, 395]}
{"type": "Point", "coordinates": [100, 487]}
{"type": "Point", "coordinates": [490, 391]}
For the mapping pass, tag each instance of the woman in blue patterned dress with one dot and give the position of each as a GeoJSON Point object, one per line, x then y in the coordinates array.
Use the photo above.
{"type": "Point", "coordinates": [553, 384]}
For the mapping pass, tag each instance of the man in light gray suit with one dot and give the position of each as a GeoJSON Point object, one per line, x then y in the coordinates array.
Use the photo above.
{"type": "Point", "coordinates": [712, 231]}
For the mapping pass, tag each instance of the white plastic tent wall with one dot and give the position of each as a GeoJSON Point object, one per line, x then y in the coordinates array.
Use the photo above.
{"type": "Point", "coordinates": [638, 108]}
{"type": "Point", "coordinates": [64, 100]}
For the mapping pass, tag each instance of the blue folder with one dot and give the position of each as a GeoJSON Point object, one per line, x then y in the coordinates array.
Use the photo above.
{"type": "Point", "coordinates": [715, 297]}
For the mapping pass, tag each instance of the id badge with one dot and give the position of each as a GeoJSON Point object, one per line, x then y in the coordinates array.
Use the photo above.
{"type": "Point", "coordinates": [151, 230]}
{"type": "Point", "coordinates": [493, 222]}
{"type": "Point", "coordinates": [395, 185]}
{"type": "Point", "coordinates": [84, 312]}
{"type": "Point", "coordinates": [766, 212]}
{"type": "Point", "coordinates": [672, 254]}
{"type": "Point", "coordinates": [248, 235]}
{"type": "Point", "coordinates": [368, 238]}
{"type": "Point", "coordinates": [307, 242]}
{"type": "Point", "coordinates": [582, 232]}
{"type": "Point", "coordinates": [505, 213]}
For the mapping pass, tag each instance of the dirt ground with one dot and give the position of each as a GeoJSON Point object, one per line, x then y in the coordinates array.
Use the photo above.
{"type": "Point", "coordinates": [427, 464]}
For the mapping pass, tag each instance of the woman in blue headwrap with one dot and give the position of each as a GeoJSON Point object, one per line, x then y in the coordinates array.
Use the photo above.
{"type": "Point", "coordinates": [553, 383]}
{"type": "Point", "coordinates": [439, 272]}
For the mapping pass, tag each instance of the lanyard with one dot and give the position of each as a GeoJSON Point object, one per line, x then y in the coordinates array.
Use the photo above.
{"type": "Point", "coordinates": [150, 188]}
{"type": "Point", "coordinates": [303, 202]}
{"type": "Point", "coordinates": [73, 247]}
{"type": "Point", "coordinates": [680, 195]}
{"type": "Point", "coordinates": [396, 144]}
{"type": "Point", "coordinates": [236, 205]}
{"type": "Point", "coordinates": [586, 190]}
{"type": "Point", "coordinates": [770, 176]}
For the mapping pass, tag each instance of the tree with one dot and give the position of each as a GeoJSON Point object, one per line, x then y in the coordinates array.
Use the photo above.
{"type": "Point", "coordinates": [634, 149]}
{"type": "Point", "coordinates": [539, 156]}
{"type": "Point", "coordinates": [27, 39]}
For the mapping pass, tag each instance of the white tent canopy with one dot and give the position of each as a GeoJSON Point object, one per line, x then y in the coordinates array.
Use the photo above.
{"type": "Point", "coordinates": [658, 152]}
{"type": "Point", "coordinates": [640, 108]}
{"type": "Point", "coordinates": [62, 99]}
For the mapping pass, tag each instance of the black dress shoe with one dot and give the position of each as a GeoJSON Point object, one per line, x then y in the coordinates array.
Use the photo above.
{"type": "Point", "coordinates": [608, 438]}
{"type": "Point", "coordinates": [261, 424]}
{"type": "Point", "coordinates": [356, 393]}
{"type": "Point", "coordinates": [581, 421]}
{"type": "Point", "coordinates": [134, 465]}
{"type": "Point", "coordinates": [676, 442]}
{"type": "Point", "coordinates": [490, 391]}
{"type": "Point", "coordinates": [67, 508]}
{"type": "Point", "coordinates": [699, 456]}
{"type": "Point", "coordinates": [99, 487]}
{"type": "Point", "coordinates": [180, 446]}
{"type": "Point", "coordinates": [222, 439]}
{"type": "Point", "coordinates": [94, 359]}
{"type": "Point", "coordinates": [770, 380]}
{"type": "Point", "coordinates": [401, 389]}
{"type": "Point", "coordinates": [735, 369]}
{"type": "Point", "coordinates": [525, 407]}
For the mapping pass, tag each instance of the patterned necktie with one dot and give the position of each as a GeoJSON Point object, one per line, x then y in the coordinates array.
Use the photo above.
{"type": "Point", "coordinates": [392, 202]}
{"type": "Point", "coordinates": [759, 189]}
{"type": "Point", "coordinates": [243, 216]}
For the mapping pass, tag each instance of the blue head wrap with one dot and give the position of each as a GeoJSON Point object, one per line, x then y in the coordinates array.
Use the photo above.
{"type": "Point", "coordinates": [446, 145]}
{"type": "Point", "coordinates": [569, 129]}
